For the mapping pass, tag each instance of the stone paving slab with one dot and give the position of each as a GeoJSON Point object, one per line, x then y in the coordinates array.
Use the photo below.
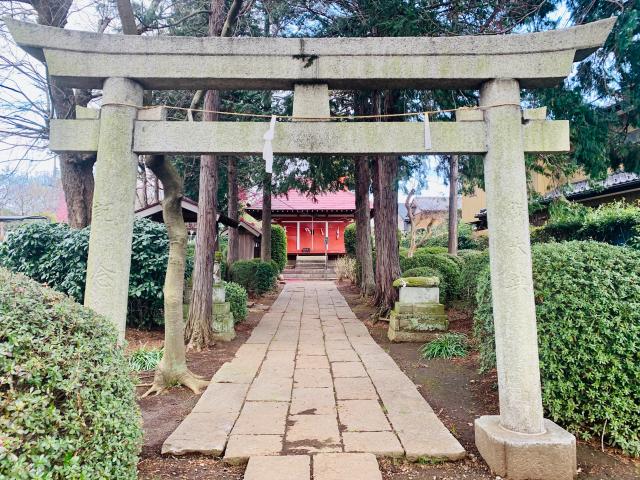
{"type": "Point", "coordinates": [270, 388]}
{"type": "Point", "coordinates": [354, 389]}
{"type": "Point", "coordinates": [342, 466]}
{"type": "Point", "coordinates": [262, 418]}
{"type": "Point", "coordinates": [381, 444]}
{"type": "Point", "coordinates": [313, 401]}
{"type": "Point", "coordinates": [311, 380]}
{"type": "Point", "coordinates": [312, 377]}
{"type": "Point", "coordinates": [312, 361]}
{"type": "Point", "coordinates": [313, 433]}
{"type": "Point", "coordinates": [362, 416]}
{"type": "Point", "coordinates": [241, 447]}
{"type": "Point", "coordinates": [348, 369]}
{"type": "Point", "coordinates": [291, 467]}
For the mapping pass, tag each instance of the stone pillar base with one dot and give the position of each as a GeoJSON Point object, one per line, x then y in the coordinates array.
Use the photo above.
{"type": "Point", "coordinates": [547, 456]}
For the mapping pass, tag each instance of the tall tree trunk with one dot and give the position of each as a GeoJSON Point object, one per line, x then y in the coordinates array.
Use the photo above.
{"type": "Point", "coordinates": [387, 255]}
{"type": "Point", "coordinates": [453, 206]}
{"type": "Point", "coordinates": [265, 244]}
{"type": "Point", "coordinates": [172, 368]}
{"type": "Point", "coordinates": [199, 329]}
{"type": "Point", "coordinates": [364, 257]}
{"type": "Point", "coordinates": [232, 210]}
{"type": "Point", "coordinates": [76, 176]}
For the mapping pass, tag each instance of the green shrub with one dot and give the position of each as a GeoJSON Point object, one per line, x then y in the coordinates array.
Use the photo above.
{"type": "Point", "coordinates": [449, 271]}
{"type": "Point", "coordinates": [615, 223]}
{"type": "Point", "coordinates": [429, 272]}
{"type": "Point", "coordinates": [474, 263]}
{"type": "Point", "coordinates": [255, 275]}
{"type": "Point", "coordinates": [266, 275]}
{"type": "Point", "coordinates": [447, 345]}
{"type": "Point", "coordinates": [67, 407]}
{"type": "Point", "coordinates": [57, 255]}
{"type": "Point", "coordinates": [242, 273]}
{"type": "Point", "coordinates": [588, 309]}
{"type": "Point", "coordinates": [279, 246]}
{"type": "Point", "coordinates": [237, 296]}
{"type": "Point", "coordinates": [350, 239]}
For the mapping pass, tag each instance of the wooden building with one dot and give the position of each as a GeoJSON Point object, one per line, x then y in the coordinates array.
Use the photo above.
{"type": "Point", "coordinates": [314, 225]}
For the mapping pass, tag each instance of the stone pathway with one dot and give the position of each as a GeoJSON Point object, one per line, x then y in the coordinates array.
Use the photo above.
{"type": "Point", "coordinates": [311, 380]}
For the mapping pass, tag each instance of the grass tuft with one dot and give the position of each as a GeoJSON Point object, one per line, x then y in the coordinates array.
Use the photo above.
{"type": "Point", "coordinates": [447, 345]}
{"type": "Point", "coordinates": [145, 359]}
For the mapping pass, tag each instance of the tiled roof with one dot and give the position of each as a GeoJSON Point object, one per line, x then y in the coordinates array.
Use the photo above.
{"type": "Point", "coordinates": [295, 201]}
{"type": "Point", "coordinates": [585, 187]}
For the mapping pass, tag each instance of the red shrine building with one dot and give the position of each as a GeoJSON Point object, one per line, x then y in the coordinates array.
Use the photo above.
{"type": "Point", "coordinates": [314, 225]}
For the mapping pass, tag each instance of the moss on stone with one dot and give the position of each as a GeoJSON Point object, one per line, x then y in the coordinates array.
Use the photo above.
{"type": "Point", "coordinates": [424, 282]}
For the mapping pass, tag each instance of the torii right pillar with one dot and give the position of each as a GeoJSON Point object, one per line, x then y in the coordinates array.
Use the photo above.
{"type": "Point", "coordinates": [519, 443]}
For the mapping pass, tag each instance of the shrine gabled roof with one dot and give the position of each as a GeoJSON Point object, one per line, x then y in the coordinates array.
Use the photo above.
{"type": "Point", "coordinates": [294, 201]}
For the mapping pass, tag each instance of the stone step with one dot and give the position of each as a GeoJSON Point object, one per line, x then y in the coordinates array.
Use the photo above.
{"type": "Point", "coordinates": [310, 265]}
{"type": "Point", "coordinates": [310, 258]}
{"type": "Point", "coordinates": [325, 466]}
{"type": "Point", "coordinates": [309, 270]}
{"type": "Point", "coordinates": [309, 276]}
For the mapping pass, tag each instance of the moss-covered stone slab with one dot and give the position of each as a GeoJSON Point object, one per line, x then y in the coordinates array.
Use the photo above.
{"type": "Point", "coordinates": [417, 326]}
{"type": "Point", "coordinates": [424, 282]}
{"type": "Point", "coordinates": [223, 322]}
{"type": "Point", "coordinates": [425, 307]}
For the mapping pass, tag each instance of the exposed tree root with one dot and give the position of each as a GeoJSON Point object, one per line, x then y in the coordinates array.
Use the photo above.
{"type": "Point", "coordinates": [162, 382]}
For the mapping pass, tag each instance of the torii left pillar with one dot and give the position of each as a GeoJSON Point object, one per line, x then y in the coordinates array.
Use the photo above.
{"type": "Point", "coordinates": [109, 261]}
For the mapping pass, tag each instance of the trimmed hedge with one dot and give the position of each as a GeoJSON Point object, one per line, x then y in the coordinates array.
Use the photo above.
{"type": "Point", "coordinates": [588, 310]}
{"type": "Point", "coordinates": [237, 296]}
{"type": "Point", "coordinates": [449, 271]}
{"type": "Point", "coordinates": [616, 223]}
{"type": "Point", "coordinates": [474, 263]}
{"type": "Point", "coordinates": [279, 246]}
{"type": "Point", "coordinates": [436, 249]}
{"type": "Point", "coordinates": [350, 239]}
{"type": "Point", "coordinates": [255, 275]}
{"type": "Point", "coordinates": [67, 408]}
{"type": "Point", "coordinates": [55, 254]}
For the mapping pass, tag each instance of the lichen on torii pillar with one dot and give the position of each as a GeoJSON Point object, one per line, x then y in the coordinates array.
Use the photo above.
{"type": "Point", "coordinates": [109, 262]}
{"type": "Point", "coordinates": [519, 443]}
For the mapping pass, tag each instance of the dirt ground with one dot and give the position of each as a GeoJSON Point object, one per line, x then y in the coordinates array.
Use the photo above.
{"type": "Point", "coordinates": [454, 388]}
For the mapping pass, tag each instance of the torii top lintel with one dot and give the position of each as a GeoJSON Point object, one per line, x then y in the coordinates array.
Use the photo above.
{"type": "Point", "coordinates": [84, 60]}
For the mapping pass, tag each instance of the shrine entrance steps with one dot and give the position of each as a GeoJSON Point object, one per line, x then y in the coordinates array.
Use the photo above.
{"type": "Point", "coordinates": [310, 267]}
{"type": "Point", "coordinates": [312, 390]}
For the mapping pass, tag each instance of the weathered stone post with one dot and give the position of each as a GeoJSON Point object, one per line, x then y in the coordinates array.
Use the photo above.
{"type": "Point", "coordinates": [109, 261]}
{"type": "Point", "coordinates": [519, 443]}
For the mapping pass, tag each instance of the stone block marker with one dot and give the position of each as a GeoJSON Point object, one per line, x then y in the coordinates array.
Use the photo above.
{"type": "Point", "coordinates": [312, 383]}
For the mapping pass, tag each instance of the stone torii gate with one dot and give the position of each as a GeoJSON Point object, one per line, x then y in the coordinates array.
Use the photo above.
{"type": "Point", "coordinates": [519, 442]}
